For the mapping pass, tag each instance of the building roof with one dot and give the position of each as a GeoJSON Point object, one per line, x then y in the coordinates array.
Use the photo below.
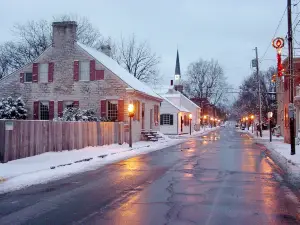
{"type": "Point", "coordinates": [119, 71]}
{"type": "Point", "coordinates": [180, 108]}
{"type": "Point", "coordinates": [173, 93]}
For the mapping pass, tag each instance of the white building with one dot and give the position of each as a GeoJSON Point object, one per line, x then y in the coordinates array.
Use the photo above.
{"type": "Point", "coordinates": [174, 119]}
{"type": "Point", "coordinates": [176, 102]}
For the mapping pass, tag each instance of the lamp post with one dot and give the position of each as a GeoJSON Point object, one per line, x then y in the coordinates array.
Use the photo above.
{"type": "Point", "coordinates": [270, 114]}
{"type": "Point", "coordinates": [190, 117]}
{"type": "Point", "coordinates": [247, 123]}
{"type": "Point", "coordinates": [211, 123]}
{"type": "Point", "coordinates": [204, 120]}
{"type": "Point", "coordinates": [130, 114]}
{"type": "Point", "coordinates": [252, 119]}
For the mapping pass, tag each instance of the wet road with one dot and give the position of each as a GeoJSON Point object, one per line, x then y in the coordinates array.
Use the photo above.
{"type": "Point", "coordinates": [222, 178]}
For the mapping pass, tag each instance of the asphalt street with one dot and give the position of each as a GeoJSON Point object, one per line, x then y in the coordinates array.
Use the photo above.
{"type": "Point", "coordinates": [218, 179]}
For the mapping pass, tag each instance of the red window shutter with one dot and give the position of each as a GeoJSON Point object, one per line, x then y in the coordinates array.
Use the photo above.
{"type": "Point", "coordinates": [76, 70]}
{"type": "Point", "coordinates": [120, 110]}
{"type": "Point", "coordinates": [92, 69]}
{"type": "Point", "coordinates": [99, 74]}
{"type": "Point", "coordinates": [76, 104]}
{"type": "Point", "coordinates": [35, 72]}
{"type": "Point", "coordinates": [60, 106]}
{"type": "Point", "coordinates": [50, 72]}
{"type": "Point", "coordinates": [21, 77]}
{"type": "Point", "coordinates": [103, 108]}
{"type": "Point", "coordinates": [36, 110]}
{"type": "Point", "coordinates": [51, 110]}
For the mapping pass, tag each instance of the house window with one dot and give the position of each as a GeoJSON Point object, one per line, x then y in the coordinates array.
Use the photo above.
{"type": "Point", "coordinates": [68, 104]}
{"type": "Point", "coordinates": [44, 110]}
{"type": "Point", "coordinates": [28, 77]}
{"type": "Point", "coordinates": [166, 119]}
{"type": "Point", "coordinates": [84, 71]}
{"type": "Point", "coordinates": [112, 110]}
{"type": "Point", "coordinates": [43, 72]}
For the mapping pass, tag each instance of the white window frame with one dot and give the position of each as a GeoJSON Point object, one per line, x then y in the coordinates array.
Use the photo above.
{"type": "Point", "coordinates": [110, 111]}
{"type": "Point", "coordinates": [87, 78]}
{"type": "Point", "coordinates": [40, 112]}
{"type": "Point", "coordinates": [166, 119]}
{"type": "Point", "coordinates": [67, 103]}
{"type": "Point", "coordinates": [43, 74]}
{"type": "Point", "coordinates": [25, 75]}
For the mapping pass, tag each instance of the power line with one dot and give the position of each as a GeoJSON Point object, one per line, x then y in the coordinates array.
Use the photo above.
{"type": "Point", "coordinates": [274, 33]}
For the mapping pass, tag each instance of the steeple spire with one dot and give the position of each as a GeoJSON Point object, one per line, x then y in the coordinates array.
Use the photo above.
{"type": "Point", "coordinates": [177, 67]}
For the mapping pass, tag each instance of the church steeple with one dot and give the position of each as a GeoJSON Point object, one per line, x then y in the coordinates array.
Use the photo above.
{"type": "Point", "coordinates": [177, 67]}
{"type": "Point", "coordinates": [177, 76]}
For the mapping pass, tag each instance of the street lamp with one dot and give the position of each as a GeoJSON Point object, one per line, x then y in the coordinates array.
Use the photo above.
{"type": "Point", "coordinates": [270, 115]}
{"type": "Point", "coordinates": [130, 114]}
{"type": "Point", "coordinates": [190, 117]}
{"type": "Point", "coordinates": [247, 124]}
{"type": "Point", "coordinates": [252, 119]}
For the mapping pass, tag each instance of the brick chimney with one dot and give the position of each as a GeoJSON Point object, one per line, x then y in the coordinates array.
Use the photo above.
{"type": "Point", "coordinates": [64, 34]}
{"type": "Point", "coordinates": [106, 49]}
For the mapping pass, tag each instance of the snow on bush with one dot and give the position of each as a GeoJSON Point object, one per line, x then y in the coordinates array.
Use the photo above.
{"type": "Point", "coordinates": [77, 114]}
{"type": "Point", "coordinates": [12, 108]}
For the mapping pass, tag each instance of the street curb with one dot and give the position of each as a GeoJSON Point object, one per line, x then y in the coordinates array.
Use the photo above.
{"type": "Point", "coordinates": [284, 164]}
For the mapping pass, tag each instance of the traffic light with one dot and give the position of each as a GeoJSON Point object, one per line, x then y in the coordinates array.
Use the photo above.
{"type": "Point", "coordinates": [274, 78]}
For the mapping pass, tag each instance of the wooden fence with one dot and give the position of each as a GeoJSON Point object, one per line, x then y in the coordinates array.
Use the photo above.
{"type": "Point", "coordinates": [24, 138]}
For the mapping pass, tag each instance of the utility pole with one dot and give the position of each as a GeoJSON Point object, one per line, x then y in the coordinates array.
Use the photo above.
{"type": "Point", "coordinates": [291, 73]}
{"type": "Point", "coordinates": [259, 92]}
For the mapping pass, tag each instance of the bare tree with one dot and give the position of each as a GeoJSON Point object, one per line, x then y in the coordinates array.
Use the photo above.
{"type": "Point", "coordinates": [33, 37]}
{"type": "Point", "coordinates": [205, 79]}
{"type": "Point", "coordinates": [247, 101]}
{"type": "Point", "coordinates": [138, 59]}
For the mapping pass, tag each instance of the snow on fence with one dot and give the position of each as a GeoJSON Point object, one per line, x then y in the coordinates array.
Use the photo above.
{"type": "Point", "coordinates": [24, 138]}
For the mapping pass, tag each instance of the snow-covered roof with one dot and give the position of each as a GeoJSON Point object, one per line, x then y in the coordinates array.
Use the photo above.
{"type": "Point", "coordinates": [180, 108]}
{"type": "Point", "coordinates": [118, 70]}
{"type": "Point", "coordinates": [162, 89]}
{"type": "Point", "coordinates": [175, 93]}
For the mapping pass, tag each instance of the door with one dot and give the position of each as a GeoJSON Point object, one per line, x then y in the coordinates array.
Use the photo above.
{"type": "Point", "coordinates": [143, 115]}
{"type": "Point", "coordinates": [181, 124]}
{"type": "Point", "coordinates": [151, 118]}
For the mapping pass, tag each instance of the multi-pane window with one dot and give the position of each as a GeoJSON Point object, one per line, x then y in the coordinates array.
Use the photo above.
{"type": "Point", "coordinates": [112, 110]}
{"type": "Point", "coordinates": [68, 104]}
{"type": "Point", "coordinates": [28, 77]}
{"type": "Point", "coordinates": [84, 71]}
{"type": "Point", "coordinates": [44, 110]}
{"type": "Point", "coordinates": [166, 119]}
{"type": "Point", "coordinates": [43, 72]}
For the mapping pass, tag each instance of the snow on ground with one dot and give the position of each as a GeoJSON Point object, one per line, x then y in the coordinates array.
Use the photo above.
{"type": "Point", "coordinates": [49, 166]}
{"type": "Point", "coordinates": [280, 153]}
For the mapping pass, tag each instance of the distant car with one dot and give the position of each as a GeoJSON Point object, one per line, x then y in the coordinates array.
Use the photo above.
{"type": "Point", "coordinates": [236, 126]}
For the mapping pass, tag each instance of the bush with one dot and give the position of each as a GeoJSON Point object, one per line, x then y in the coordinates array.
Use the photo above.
{"type": "Point", "coordinates": [77, 114]}
{"type": "Point", "coordinates": [12, 109]}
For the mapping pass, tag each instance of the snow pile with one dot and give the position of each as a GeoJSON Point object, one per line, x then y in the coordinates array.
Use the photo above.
{"type": "Point", "coordinates": [77, 114]}
{"type": "Point", "coordinates": [12, 108]}
{"type": "Point", "coordinates": [56, 165]}
{"type": "Point", "coordinates": [290, 164]}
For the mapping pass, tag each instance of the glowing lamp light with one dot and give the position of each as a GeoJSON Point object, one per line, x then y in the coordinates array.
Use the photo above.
{"type": "Point", "coordinates": [131, 110]}
{"type": "Point", "coordinates": [190, 116]}
{"type": "Point", "coordinates": [252, 117]}
{"type": "Point", "coordinates": [205, 117]}
{"type": "Point", "coordinates": [211, 118]}
{"type": "Point", "coordinates": [247, 118]}
{"type": "Point", "coordinates": [216, 119]}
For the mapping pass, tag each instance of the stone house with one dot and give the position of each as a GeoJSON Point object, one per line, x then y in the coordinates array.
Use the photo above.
{"type": "Point", "coordinates": [69, 74]}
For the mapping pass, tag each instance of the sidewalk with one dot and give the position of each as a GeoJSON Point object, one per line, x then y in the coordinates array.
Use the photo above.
{"type": "Point", "coordinates": [50, 166]}
{"type": "Point", "coordinates": [279, 152]}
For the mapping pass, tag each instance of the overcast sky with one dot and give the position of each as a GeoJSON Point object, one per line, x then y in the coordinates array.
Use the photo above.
{"type": "Point", "coordinates": [224, 30]}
